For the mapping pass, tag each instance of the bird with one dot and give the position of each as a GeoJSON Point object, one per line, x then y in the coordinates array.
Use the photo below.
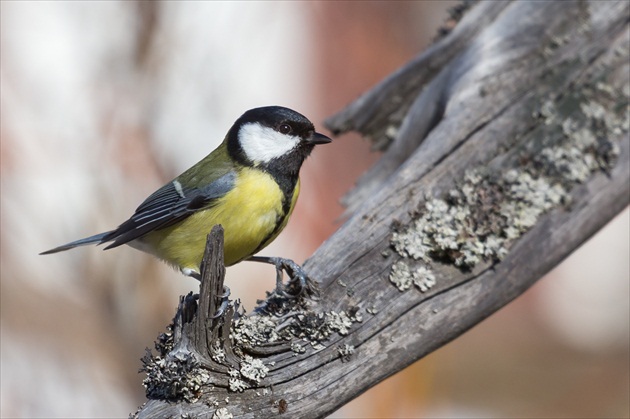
{"type": "Point", "coordinates": [249, 184]}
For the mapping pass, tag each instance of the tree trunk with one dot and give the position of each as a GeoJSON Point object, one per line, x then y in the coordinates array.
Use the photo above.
{"type": "Point", "coordinates": [506, 147]}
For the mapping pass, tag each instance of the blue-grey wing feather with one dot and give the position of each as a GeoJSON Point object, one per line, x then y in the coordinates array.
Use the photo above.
{"type": "Point", "coordinates": [168, 205]}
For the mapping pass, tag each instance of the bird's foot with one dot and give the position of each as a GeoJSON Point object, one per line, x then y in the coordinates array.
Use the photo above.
{"type": "Point", "coordinates": [299, 282]}
{"type": "Point", "coordinates": [225, 303]}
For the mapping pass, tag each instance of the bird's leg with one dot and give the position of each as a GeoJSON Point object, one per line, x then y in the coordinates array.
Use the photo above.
{"type": "Point", "coordinates": [224, 297]}
{"type": "Point", "coordinates": [295, 272]}
{"type": "Point", "coordinates": [191, 273]}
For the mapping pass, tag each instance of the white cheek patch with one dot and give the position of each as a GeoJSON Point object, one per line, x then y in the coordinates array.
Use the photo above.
{"type": "Point", "coordinates": [262, 144]}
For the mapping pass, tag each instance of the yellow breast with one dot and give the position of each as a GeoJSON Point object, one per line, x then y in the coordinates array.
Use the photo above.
{"type": "Point", "coordinates": [251, 215]}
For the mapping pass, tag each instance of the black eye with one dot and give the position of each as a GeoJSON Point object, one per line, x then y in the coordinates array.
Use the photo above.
{"type": "Point", "coordinates": [285, 129]}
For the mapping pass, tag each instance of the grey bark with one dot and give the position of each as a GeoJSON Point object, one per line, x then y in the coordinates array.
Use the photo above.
{"type": "Point", "coordinates": [506, 147]}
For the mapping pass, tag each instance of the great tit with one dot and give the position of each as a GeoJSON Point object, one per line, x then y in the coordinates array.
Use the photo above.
{"type": "Point", "coordinates": [249, 185]}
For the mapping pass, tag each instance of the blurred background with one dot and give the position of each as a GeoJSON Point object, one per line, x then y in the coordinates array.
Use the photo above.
{"type": "Point", "coordinates": [103, 102]}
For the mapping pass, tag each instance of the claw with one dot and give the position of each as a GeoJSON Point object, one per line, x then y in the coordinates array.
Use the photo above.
{"type": "Point", "coordinates": [224, 303]}
{"type": "Point", "coordinates": [226, 292]}
{"type": "Point", "coordinates": [279, 277]}
{"type": "Point", "coordinates": [297, 275]}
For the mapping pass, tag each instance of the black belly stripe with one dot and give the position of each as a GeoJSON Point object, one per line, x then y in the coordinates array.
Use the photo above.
{"type": "Point", "coordinates": [287, 186]}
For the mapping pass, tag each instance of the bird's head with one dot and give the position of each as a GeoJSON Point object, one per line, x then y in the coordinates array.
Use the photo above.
{"type": "Point", "coordinates": [273, 136]}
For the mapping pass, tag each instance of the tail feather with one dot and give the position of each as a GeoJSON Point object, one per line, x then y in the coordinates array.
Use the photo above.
{"type": "Point", "coordinates": [95, 239]}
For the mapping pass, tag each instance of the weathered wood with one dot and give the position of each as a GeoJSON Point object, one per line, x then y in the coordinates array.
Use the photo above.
{"type": "Point", "coordinates": [525, 155]}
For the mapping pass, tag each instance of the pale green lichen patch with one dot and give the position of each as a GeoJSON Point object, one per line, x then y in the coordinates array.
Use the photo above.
{"type": "Point", "coordinates": [175, 377]}
{"type": "Point", "coordinates": [297, 348]}
{"type": "Point", "coordinates": [251, 372]}
{"type": "Point", "coordinates": [218, 354]}
{"type": "Point", "coordinates": [340, 322]}
{"type": "Point", "coordinates": [403, 277]}
{"type": "Point", "coordinates": [222, 413]}
{"type": "Point", "coordinates": [249, 375]}
{"type": "Point", "coordinates": [345, 352]}
{"type": "Point", "coordinates": [308, 327]}
{"type": "Point", "coordinates": [458, 230]}
{"type": "Point", "coordinates": [251, 331]}
{"type": "Point", "coordinates": [483, 215]}
{"type": "Point", "coordinates": [316, 328]}
{"type": "Point", "coordinates": [177, 374]}
{"type": "Point", "coordinates": [173, 374]}
{"type": "Point", "coordinates": [525, 201]}
{"type": "Point", "coordinates": [253, 369]}
{"type": "Point", "coordinates": [237, 385]}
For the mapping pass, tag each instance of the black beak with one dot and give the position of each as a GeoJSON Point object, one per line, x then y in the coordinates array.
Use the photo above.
{"type": "Point", "coordinates": [318, 138]}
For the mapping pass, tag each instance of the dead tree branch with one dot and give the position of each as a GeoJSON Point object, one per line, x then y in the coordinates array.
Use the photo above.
{"type": "Point", "coordinates": [506, 148]}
